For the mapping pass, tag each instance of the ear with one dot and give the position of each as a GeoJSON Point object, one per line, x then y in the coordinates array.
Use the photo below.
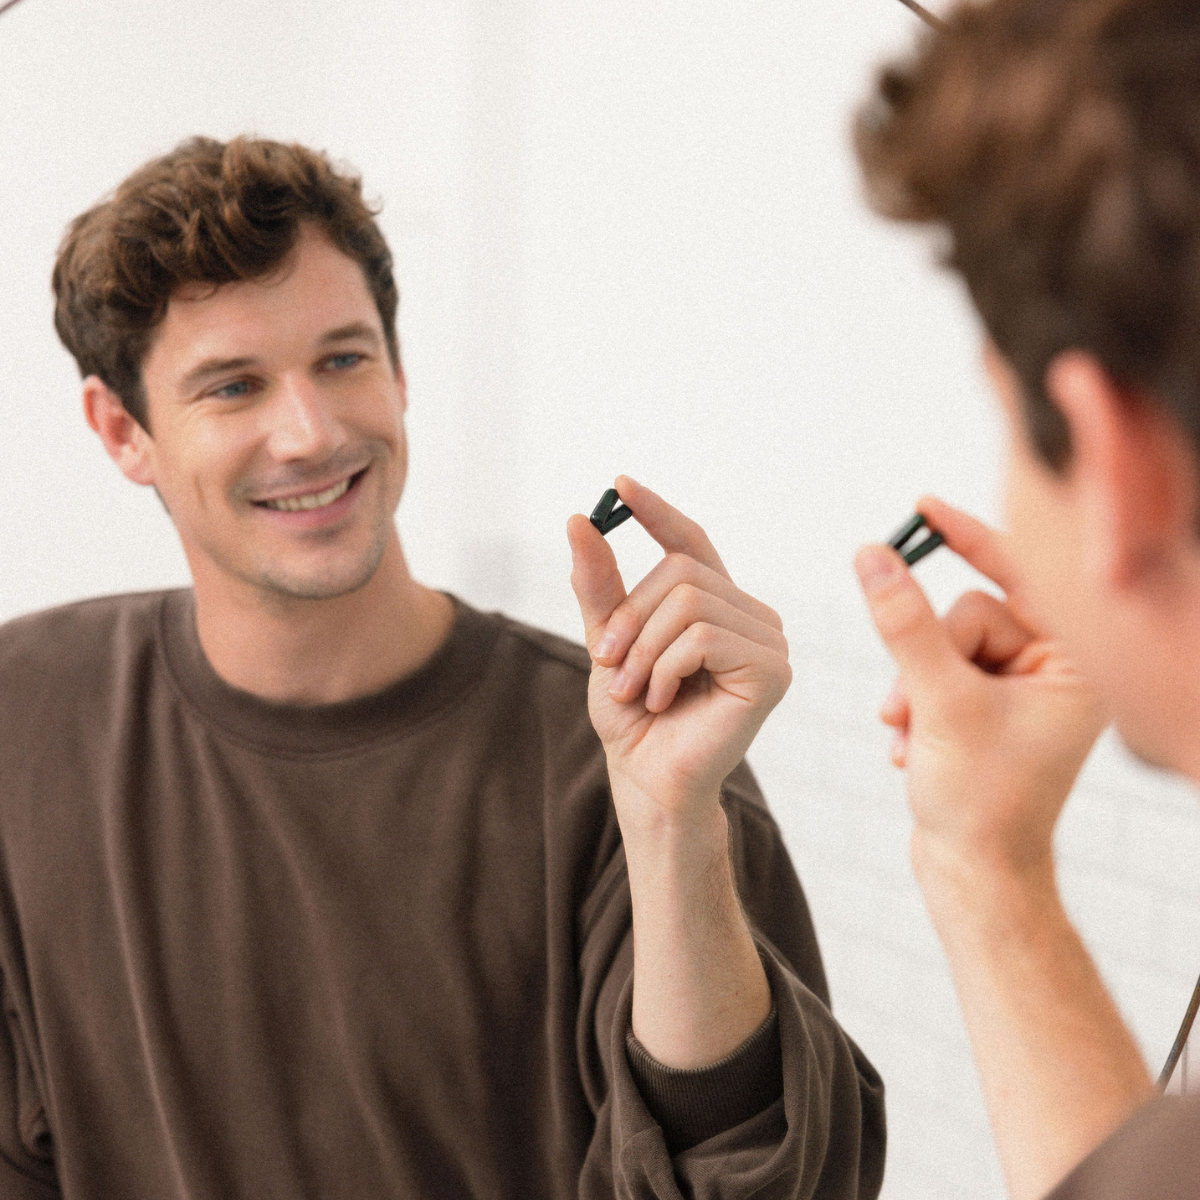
{"type": "Point", "coordinates": [127, 443]}
{"type": "Point", "coordinates": [1133, 470]}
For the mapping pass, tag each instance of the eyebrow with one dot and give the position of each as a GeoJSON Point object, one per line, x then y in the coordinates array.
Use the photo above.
{"type": "Point", "coordinates": [355, 331]}
{"type": "Point", "coordinates": [213, 366]}
{"type": "Point", "coordinates": [352, 332]}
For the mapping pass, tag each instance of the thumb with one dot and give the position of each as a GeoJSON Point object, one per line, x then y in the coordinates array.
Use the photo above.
{"type": "Point", "coordinates": [595, 579]}
{"type": "Point", "coordinates": [904, 617]}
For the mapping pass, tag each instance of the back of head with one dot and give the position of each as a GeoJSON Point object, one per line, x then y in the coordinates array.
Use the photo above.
{"type": "Point", "coordinates": [206, 213]}
{"type": "Point", "coordinates": [1057, 142]}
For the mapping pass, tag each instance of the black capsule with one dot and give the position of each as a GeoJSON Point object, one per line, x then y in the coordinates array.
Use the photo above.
{"type": "Point", "coordinates": [901, 540]}
{"type": "Point", "coordinates": [607, 515]}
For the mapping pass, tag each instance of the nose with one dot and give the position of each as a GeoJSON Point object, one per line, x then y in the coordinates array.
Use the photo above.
{"type": "Point", "coordinates": [301, 421]}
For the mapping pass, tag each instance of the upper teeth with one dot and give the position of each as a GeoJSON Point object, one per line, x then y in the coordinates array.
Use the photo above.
{"type": "Point", "coordinates": [313, 500]}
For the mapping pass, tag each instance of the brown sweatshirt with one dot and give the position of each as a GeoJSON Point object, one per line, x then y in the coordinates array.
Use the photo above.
{"type": "Point", "coordinates": [1155, 1155]}
{"type": "Point", "coordinates": [372, 949]}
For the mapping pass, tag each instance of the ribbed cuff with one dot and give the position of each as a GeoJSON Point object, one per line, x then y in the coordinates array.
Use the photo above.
{"type": "Point", "coordinates": [692, 1106]}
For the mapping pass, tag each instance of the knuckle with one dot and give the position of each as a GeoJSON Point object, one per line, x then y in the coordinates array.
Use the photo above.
{"type": "Point", "coordinates": [625, 621]}
{"type": "Point", "coordinates": [637, 657]}
{"type": "Point", "coordinates": [679, 565]}
{"type": "Point", "coordinates": [688, 600]}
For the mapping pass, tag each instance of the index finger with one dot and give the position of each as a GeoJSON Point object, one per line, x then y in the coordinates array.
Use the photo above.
{"type": "Point", "coordinates": [981, 545]}
{"type": "Point", "coordinates": [674, 532]}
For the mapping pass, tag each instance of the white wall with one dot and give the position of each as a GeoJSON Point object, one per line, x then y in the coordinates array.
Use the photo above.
{"type": "Point", "coordinates": [629, 239]}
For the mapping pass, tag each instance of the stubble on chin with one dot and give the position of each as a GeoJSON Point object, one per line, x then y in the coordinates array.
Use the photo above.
{"type": "Point", "coordinates": [329, 585]}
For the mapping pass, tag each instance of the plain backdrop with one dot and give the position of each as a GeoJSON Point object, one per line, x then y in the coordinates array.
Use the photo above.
{"type": "Point", "coordinates": [629, 238]}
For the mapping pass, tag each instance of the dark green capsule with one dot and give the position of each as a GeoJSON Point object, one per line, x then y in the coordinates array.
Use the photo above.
{"type": "Point", "coordinates": [901, 540]}
{"type": "Point", "coordinates": [607, 515]}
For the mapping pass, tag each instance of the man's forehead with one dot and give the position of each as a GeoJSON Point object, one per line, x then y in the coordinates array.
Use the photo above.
{"type": "Point", "coordinates": [316, 291]}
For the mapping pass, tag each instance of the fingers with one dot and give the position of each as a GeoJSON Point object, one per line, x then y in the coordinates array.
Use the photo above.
{"type": "Point", "coordinates": [594, 578]}
{"type": "Point", "coordinates": [910, 628]}
{"type": "Point", "coordinates": [629, 618]}
{"type": "Point", "coordinates": [754, 673]}
{"type": "Point", "coordinates": [674, 532]}
{"type": "Point", "coordinates": [686, 605]}
{"type": "Point", "coordinates": [985, 631]}
{"type": "Point", "coordinates": [983, 547]}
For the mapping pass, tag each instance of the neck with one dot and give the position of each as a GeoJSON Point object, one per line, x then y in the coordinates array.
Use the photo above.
{"type": "Point", "coordinates": [320, 651]}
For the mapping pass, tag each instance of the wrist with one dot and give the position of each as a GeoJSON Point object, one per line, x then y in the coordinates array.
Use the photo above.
{"type": "Point", "coordinates": [985, 896]}
{"type": "Point", "coordinates": [668, 814]}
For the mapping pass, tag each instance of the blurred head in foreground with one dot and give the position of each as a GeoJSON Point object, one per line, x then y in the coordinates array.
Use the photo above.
{"type": "Point", "coordinates": [1056, 146]}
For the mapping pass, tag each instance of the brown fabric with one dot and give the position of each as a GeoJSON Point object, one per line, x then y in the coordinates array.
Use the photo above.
{"type": "Point", "coordinates": [372, 949]}
{"type": "Point", "coordinates": [1155, 1155]}
{"type": "Point", "coordinates": [694, 1105]}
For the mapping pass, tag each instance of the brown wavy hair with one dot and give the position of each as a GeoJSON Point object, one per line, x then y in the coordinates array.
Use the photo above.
{"type": "Point", "coordinates": [1057, 145]}
{"type": "Point", "coordinates": [208, 212]}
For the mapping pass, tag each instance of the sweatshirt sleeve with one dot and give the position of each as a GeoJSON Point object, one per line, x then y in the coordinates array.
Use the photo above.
{"type": "Point", "coordinates": [694, 1105]}
{"type": "Point", "coordinates": [795, 1113]}
{"type": "Point", "coordinates": [26, 1147]}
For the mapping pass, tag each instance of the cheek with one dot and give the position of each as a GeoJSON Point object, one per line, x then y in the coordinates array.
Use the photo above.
{"type": "Point", "coordinates": [1045, 551]}
{"type": "Point", "coordinates": [202, 465]}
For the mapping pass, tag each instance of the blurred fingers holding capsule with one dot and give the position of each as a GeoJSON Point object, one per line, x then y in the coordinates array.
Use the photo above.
{"type": "Point", "coordinates": [992, 721]}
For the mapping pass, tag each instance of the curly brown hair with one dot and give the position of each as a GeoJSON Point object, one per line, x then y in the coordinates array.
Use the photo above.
{"type": "Point", "coordinates": [208, 212]}
{"type": "Point", "coordinates": [1057, 143]}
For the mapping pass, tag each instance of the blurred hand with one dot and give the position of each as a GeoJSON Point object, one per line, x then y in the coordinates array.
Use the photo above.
{"type": "Point", "coordinates": [993, 723]}
{"type": "Point", "coordinates": [685, 667]}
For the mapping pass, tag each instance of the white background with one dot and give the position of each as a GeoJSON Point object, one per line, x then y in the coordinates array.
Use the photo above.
{"type": "Point", "coordinates": [629, 238]}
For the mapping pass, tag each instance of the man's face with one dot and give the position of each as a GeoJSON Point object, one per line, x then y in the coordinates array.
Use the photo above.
{"type": "Point", "coordinates": [277, 439]}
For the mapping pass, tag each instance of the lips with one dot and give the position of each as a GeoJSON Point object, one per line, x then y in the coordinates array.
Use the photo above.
{"type": "Point", "coordinates": [312, 500]}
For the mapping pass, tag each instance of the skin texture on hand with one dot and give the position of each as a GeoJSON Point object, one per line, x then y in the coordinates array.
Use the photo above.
{"type": "Point", "coordinates": [993, 723]}
{"type": "Point", "coordinates": [685, 669]}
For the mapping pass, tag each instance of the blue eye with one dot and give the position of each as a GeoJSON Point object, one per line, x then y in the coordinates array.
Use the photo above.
{"type": "Point", "coordinates": [343, 362]}
{"type": "Point", "coordinates": [233, 391]}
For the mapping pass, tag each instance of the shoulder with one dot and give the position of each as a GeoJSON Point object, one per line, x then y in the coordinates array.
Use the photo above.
{"type": "Point", "coordinates": [545, 669]}
{"type": "Point", "coordinates": [536, 690]}
{"type": "Point", "coordinates": [548, 649]}
{"type": "Point", "coordinates": [1155, 1155]}
{"type": "Point", "coordinates": [546, 677]}
{"type": "Point", "coordinates": [75, 645]}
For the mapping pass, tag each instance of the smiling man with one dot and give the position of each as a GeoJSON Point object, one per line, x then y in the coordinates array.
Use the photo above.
{"type": "Point", "coordinates": [317, 882]}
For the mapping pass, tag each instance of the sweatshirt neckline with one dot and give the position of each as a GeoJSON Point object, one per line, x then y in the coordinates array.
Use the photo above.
{"type": "Point", "coordinates": [325, 729]}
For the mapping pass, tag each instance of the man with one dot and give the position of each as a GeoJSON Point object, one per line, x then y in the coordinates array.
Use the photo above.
{"type": "Point", "coordinates": [1058, 145]}
{"type": "Point", "coordinates": [319, 883]}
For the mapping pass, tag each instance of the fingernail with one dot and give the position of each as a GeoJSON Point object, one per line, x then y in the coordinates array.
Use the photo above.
{"type": "Point", "coordinates": [619, 681]}
{"type": "Point", "coordinates": [876, 567]}
{"type": "Point", "coordinates": [605, 646]}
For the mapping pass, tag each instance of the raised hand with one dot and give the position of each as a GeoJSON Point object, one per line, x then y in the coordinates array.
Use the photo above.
{"type": "Point", "coordinates": [686, 666]}
{"type": "Point", "coordinates": [993, 721]}
{"type": "Point", "coordinates": [685, 669]}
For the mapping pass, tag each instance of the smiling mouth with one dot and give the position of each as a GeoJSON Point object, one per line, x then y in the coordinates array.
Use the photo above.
{"type": "Point", "coordinates": [313, 499]}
